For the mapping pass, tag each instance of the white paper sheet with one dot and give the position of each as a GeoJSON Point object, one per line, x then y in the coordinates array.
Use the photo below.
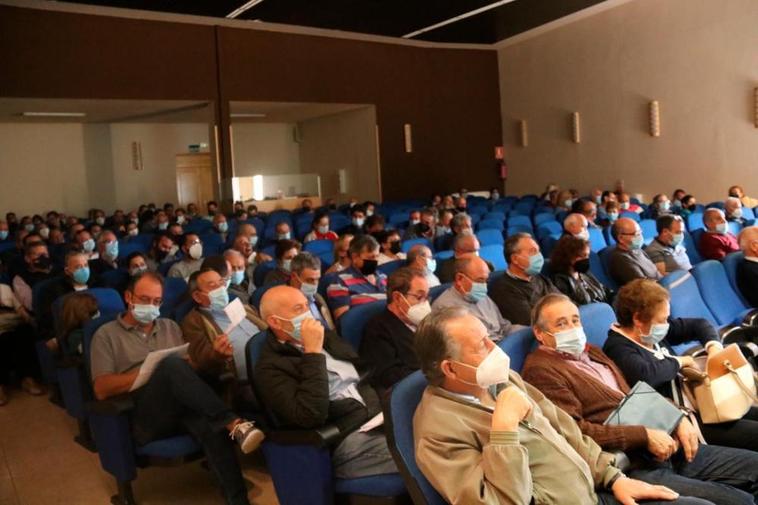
{"type": "Point", "coordinates": [372, 423]}
{"type": "Point", "coordinates": [151, 361]}
{"type": "Point", "coordinates": [235, 311]}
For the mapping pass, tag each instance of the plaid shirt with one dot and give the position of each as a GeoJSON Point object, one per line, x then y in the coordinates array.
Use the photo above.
{"type": "Point", "coordinates": [349, 288]}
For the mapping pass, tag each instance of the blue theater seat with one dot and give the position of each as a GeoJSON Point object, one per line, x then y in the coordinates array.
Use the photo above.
{"type": "Point", "coordinates": [354, 320]}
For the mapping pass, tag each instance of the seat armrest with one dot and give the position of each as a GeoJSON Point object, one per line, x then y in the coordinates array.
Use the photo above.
{"type": "Point", "coordinates": [113, 406]}
{"type": "Point", "coordinates": [324, 436]}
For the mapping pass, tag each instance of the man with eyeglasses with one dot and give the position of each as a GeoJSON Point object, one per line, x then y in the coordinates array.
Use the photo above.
{"type": "Point", "coordinates": [387, 343]}
{"type": "Point", "coordinates": [627, 260]}
{"type": "Point", "coordinates": [175, 398]}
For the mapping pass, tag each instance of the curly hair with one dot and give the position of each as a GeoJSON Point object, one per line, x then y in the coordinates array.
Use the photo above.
{"type": "Point", "coordinates": [565, 252]}
{"type": "Point", "coordinates": [641, 298]}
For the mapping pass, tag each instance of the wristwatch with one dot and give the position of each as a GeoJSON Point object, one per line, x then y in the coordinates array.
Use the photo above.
{"type": "Point", "coordinates": [614, 479]}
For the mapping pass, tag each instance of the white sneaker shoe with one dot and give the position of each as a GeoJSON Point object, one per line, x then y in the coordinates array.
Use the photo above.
{"type": "Point", "coordinates": [247, 436]}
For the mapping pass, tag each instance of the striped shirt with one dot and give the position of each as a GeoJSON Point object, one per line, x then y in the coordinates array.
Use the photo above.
{"type": "Point", "coordinates": [349, 288]}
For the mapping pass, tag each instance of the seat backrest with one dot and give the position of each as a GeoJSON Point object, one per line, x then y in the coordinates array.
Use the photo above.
{"type": "Point", "coordinates": [629, 214]}
{"type": "Point", "coordinates": [695, 222]}
{"type": "Point", "coordinates": [672, 277]}
{"type": "Point", "coordinates": [259, 275]}
{"type": "Point", "coordinates": [547, 228]}
{"type": "Point", "coordinates": [597, 269]}
{"type": "Point", "coordinates": [109, 300]}
{"type": "Point", "coordinates": [717, 292]}
{"type": "Point", "coordinates": [318, 246]}
{"type": "Point", "coordinates": [597, 318]}
{"type": "Point", "coordinates": [691, 246]}
{"type": "Point", "coordinates": [686, 300]}
{"type": "Point", "coordinates": [389, 267]}
{"type": "Point", "coordinates": [748, 213]}
{"type": "Point", "coordinates": [438, 290]}
{"type": "Point", "coordinates": [730, 262]}
{"type": "Point", "coordinates": [404, 400]}
{"type": "Point", "coordinates": [649, 230]}
{"type": "Point", "coordinates": [407, 244]}
{"type": "Point", "coordinates": [443, 255]}
{"type": "Point", "coordinates": [490, 236]}
{"type": "Point", "coordinates": [491, 224]}
{"type": "Point", "coordinates": [520, 220]}
{"type": "Point", "coordinates": [355, 319]}
{"type": "Point", "coordinates": [734, 227]}
{"type": "Point", "coordinates": [605, 258]}
{"type": "Point", "coordinates": [495, 255]}
{"type": "Point", "coordinates": [253, 350]}
{"type": "Point", "coordinates": [174, 289]}
{"type": "Point", "coordinates": [597, 240]}
{"type": "Point", "coordinates": [517, 346]}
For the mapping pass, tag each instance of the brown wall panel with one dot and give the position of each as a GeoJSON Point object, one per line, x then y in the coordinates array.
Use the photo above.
{"type": "Point", "coordinates": [61, 55]}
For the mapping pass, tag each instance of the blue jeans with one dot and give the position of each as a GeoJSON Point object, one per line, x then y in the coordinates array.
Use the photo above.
{"type": "Point", "coordinates": [722, 475]}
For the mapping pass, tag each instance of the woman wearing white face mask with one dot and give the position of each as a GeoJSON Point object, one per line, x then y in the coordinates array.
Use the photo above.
{"type": "Point", "coordinates": [387, 343]}
{"type": "Point", "coordinates": [641, 346]}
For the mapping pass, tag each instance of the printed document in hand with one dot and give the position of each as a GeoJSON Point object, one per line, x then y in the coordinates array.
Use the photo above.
{"type": "Point", "coordinates": [235, 311]}
{"type": "Point", "coordinates": [151, 361]}
{"type": "Point", "coordinates": [372, 423]}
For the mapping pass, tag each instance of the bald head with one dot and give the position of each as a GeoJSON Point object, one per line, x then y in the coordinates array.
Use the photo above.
{"type": "Point", "coordinates": [283, 301]}
{"type": "Point", "coordinates": [575, 223]}
{"type": "Point", "coordinates": [749, 241]}
{"type": "Point", "coordinates": [712, 218]}
{"type": "Point", "coordinates": [624, 231]}
{"type": "Point", "coordinates": [731, 204]}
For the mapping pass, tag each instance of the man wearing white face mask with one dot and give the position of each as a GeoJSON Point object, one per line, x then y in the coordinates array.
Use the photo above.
{"type": "Point", "coordinates": [732, 209]}
{"type": "Point", "coordinates": [387, 343]}
{"type": "Point", "coordinates": [484, 436]}
{"type": "Point", "coordinates": [716, 242]}
{"type": "Point", "coordinates": [192, 257]}
{"type": "Point", "coordinates": [576, 225]}
{"type": "Point", "coordinates": [306, 274]}
{"type": "Point", "coordinates": [308, 378]}
{"type": "Point", "coordinates": [469, 290]}
{"type": "Point", "coordinates": [580, 379]}
{"type": "Point", "coordinates": [175, 398]}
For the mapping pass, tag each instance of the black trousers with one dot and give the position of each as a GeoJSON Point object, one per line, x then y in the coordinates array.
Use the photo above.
{"type": "Point", "coordinates": [17, 354]}
{"type": "Point", "coordinates": [742, 434]}
{"type": "Point", "coordinates": [176, 399]}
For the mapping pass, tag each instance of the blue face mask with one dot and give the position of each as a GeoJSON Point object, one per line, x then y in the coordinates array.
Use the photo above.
{"type": "Point", "coordinates": [163, 225]}
{"type": "Point", "coordinates": [657, 333]}
{"type": "Point", "coordinates": [721, 228]}
{"type": "Point", "coordinates": [536, 262]}
{"type": "Point", "coordinates": [477, 292]}
{"type": "Point", "coordinates": [237, 277]}
{"type": "Point", "coordinates": [571, 341]}
{"type": "Point", "coordinates": [613, 216]}
{"type": "Point", "coordinates": [637, 242]}
{"type": "Point", "coordinates": [297, 325]}
{"type": "Point", "coordinates": [219, 298]}
{"type": "Point", "coordinates": [309, 290]}
{"type": "Point", "coordinates": [253, 240]}
{"type": "Point", "coordinates": [665, 205]}
{"type": "Point", "coordinates": [88, 245]}
{"type": "Point", "coordinates": [677, 239]}
{"type": "Point", "coordinates": [223, 227]}
{"type": "Point", "coordinates": [283, 236]}
{"type": "Point", "coordinates": [145, 313]}
{"type": "Point", "coordinates": [3, 234]}
{"type": "Point", "coordinates": [111, 249]}
{"type": "Point", "coordinates": [81, 275]}
{"type": "Point", "coordinates": [431, 265]}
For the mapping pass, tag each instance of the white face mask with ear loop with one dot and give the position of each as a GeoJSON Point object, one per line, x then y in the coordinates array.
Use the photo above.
{"type": "Point", "coordinates": [493, 370]}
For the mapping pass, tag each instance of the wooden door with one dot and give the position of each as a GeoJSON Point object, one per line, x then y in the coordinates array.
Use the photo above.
{"type": "Point", "coordinates": [194, 179]}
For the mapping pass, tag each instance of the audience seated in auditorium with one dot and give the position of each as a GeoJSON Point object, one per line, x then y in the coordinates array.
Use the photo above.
{"type": "Point", "coordinates": [667, 250]}
{"type": "Point", "coordinates": [605, 199]}
{"type": "Point", "coordinates": [460, 223]}
{"type": "Point", "coordinates": [733, 211]}
{"type": "Point", "coordinates": [469, 290]}
{"type": "Point", "coordinates": [443, 223]}
{"type": "Point", "coordinates": [575, 225]}
{"type": "Point", "coordinates": [426, 227]}
{"type": "Point", "coordinates": [192, 257]}
{"type": "Point", "coordinates": [306, 274]}
{"type": "Point", "coordinates": [212, 209]}
{"type": "Point", "coordinates": [689, 205]}
{"type": "Point", "coordinates": [283, 253]}
{"type": "Point", "coordinates": [563, 201]}
{"type": "Point", "coordinates": [465, 244]}
{"type": "Point", "coordinates": [661, 206]}
{"type": "Point", "coordinates": [550, 193]}
{"type": "Point", "coordinates": [4, 231]}
{"type": "Point", "coordinates": [587, 208]}
{"type": "Point", "coordinates": [738, 192]}
{"type": "Point", "coordinates": [163, 250]}
{"type": "Point", "coordinates": [375, 224]}
{"type": "Point", "coordinates": [243, 245]}
{"type": "Point", "coordinates": [357, 221]}
{"type": "Point", "coordinates": [17, 353]}
{"type": "Point", "coordinates": [37, 267]}
{"type": "Point", "coordinates": [220, 226]}
{"type": "Point", "coordinates": [716, 241]}
{"type": "Point", "coordinates": [747, 269]}
{"type": "Point", "coordinates": [360, 282]}
{"type": "Point", "coordinates": [341, 254]}
{"type": "Point", "coordinates": [83, 239]}
{"type": "Point", "coordinates": [389, 244]}
{"type": "Point", "coordinates": [627, 260]}
{"type": "Point", "coordinates": [308, 377]}
{"type": "Point", "coordinates": [239, 284]}
{"type": "Point", "coordinates": [320, 228]}
{"type": "Point", "coordinates": [175, 399]}
{"type": "Point", "coordinates": [77, 310]}
{"type": "Point", "coordinates": [282, 231]}
{"type": "Point", "coordinates": [640, 345]}
{"type": "Point", "coordinates": [484, 436]}
{"type": "Point", "coordinates": [516, 292]}
{"type": "Point", "coordinates": [107, 250]}
{"type": "Point", "coordinates": [570, 272]}
{"type": "Point", "coordinates": [676, 199]}
{"type": "Point", "coordinates": [580, 379]}
{"type": "Point", "coordinates": [387, 343]}
{"type": "Point", "coordinates": [75, 277]}
{"type": "Point", "coordinates": [421, 258]}
{"type": "Point", "coordinates": [625, 203]}
{"type": "Point", "coordinates": [212, 350]}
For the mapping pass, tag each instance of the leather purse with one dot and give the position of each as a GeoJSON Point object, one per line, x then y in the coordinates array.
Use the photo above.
{"type": "Point", "coordinates": [644, 406]}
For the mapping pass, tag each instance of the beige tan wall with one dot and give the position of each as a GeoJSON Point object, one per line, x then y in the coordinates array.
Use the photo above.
{"type": "Point", "coordinates": [698, 58]}
{"type": "Point", "coordinates": [342, 141]}
{"type": "Point", "coordinates": [265, 149]}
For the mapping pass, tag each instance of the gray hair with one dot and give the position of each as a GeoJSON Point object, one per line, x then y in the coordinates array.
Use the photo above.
{"type": "Point", "coordinates": [708, 214]}
{"type": "Point", "coordinates": [460, 219]}
{"type": "Point", "coordinates": [363, 243]}
{"type": "Point", "coordinates": [229, 253]}
{"type": "Point", "coordinates": [573, 218]}
{"type": "Point", "coordinates": [461, 237]}
{"type": "Point", "coordinates": [433, 343]}
{"type": "Point", "coordinates": [734, 200]}
{"type": "Point", "coordinates": [511, 244]}
{"type": "Point", "coordinates": [305, 260]}
{"type": "Point", "coordinates": [416, 251]}
{"type": "Point", "coordinates": [542, 304]}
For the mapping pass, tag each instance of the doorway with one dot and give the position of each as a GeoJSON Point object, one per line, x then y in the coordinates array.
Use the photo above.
{"type": "Point", "coordinates": [194, 179]}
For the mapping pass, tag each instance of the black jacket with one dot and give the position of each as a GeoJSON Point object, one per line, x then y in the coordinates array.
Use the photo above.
{"type": "Point", "coordinates": [638, 364]}
{"type": "Point", "coordinates": [294, 387]}
{"type": "Point", "coordinates": [586, 289]}
{"type": "Point", "coordinates": [387, 346]}
{"type": "Point", "coordinates": [747, 281]}
{"type": "Point", "coordinates": [516, 297]}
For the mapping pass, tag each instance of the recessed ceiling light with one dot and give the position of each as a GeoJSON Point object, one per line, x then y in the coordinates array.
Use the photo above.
{"type": "Point", "coordinates": [247, 114]}
{"type": "Point", "coordinates": [53, 114]}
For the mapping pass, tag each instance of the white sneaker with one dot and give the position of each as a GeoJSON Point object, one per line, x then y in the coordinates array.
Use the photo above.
{"type": "Point", "coordinates": [247, 436]}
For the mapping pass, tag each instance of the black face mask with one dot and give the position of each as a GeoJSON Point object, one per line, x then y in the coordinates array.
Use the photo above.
{"type": "Point", "coordinates": [42, 263]}
{"type": "Point", "coordinates": [422, 228]}
{"type": "Point", "coordinates": [369, 267]}
{"type": "Point", "coordinates": [582, 266]}
{"type": "Point", "coordinates": [461, 209]}
{"type": "Point", "coordinates": [395, 247]}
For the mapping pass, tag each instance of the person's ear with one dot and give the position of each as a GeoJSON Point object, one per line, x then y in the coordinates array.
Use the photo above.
{"type": "Point", "coordinates": [128, 297]}
{"type": "Point", "coordinates": [446, 367]}
{"type": "Point", "coordinates": [196, 296]}
{"type": "Point", "coordinates": [538, 334]}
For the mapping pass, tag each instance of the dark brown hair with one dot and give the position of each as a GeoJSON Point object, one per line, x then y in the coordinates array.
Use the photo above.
{"type": "Point", "coordinates": [566, 250]}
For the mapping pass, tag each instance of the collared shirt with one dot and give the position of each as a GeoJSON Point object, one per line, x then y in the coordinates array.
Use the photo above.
{"type": "Point", "coordinates": [316, 312]}
{"type": "Point", "coordinates": [238, 337]}
{"type": "Point", "coordinates": [485, 310]}
{"type": "Point", "coordinates": [184, 268]}
{"type": "Point", "coordinates": [592, 368]}
{"type": "Point", "coordinates": [432, 279]}
{"type": "Point", "coordinates": [350, 288]}
{"type": "Point", "coordinates": [673, 258]}
{"type": "Point", "coordinates": [342, 376]}
{"type": "Point", "coordinates": [118, 347]}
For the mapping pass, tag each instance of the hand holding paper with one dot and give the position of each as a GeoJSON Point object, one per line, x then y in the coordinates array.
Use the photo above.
{"type": "Point", "coordinates": [235, 311]}
{"type": "Point", "coordinates": [151, 362]}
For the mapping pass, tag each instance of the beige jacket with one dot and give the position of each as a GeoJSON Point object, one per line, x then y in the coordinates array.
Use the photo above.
{"type": "Point", "coordinates": [548, 459]}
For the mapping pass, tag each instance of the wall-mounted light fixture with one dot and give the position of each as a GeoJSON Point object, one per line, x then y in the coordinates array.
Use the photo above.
{"type": "Point", "coordinates": [137, 156]}
{"type": "Point", "coordinates": [524, 133]}
{"type": "Point", "coordinates": [655, 119]}
{"type": "Point", "coordinates": [408, 135]}
{"type": "Point", "coordinates": [576, 128]}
